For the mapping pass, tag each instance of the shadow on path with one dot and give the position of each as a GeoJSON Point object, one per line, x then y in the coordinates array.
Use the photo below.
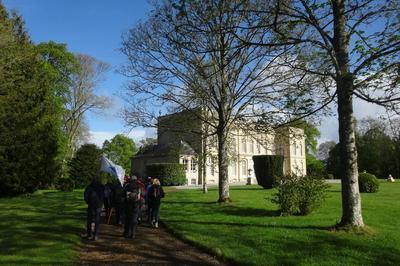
{"type": "Point", "coordinates": [151, 246]}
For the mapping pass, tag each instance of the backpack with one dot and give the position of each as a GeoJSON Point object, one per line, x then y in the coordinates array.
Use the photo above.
{"type": "Point", "coordinates": [133, 195]}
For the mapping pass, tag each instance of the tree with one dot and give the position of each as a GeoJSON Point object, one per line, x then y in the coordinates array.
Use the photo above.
{"type": "Point", "coordinates": [187, 58]}
{"type": "Point", "coordinates": [120, 150]}
{"type": "Point", "coordinates": [332, 40]}
{"type": "Point", "coordinates": [30, 111]}
{"type": "Point", "coordinates": [82, 98]}
{"type": "Point", "coordinates": [85, 165]}
{"type": "Point", "coordinates": [324, 148]}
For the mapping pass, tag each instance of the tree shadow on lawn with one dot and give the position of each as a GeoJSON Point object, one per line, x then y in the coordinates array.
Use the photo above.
{"type": "Point", "coordinates": [247, 211]}
{"type": "Point", "coordinates": [333, 246]}
{"type": "Point", "coordinates": [311, 227]}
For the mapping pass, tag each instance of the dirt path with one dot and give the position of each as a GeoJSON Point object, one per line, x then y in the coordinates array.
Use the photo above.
{"type": "Point", "coordinates": [151, 246]}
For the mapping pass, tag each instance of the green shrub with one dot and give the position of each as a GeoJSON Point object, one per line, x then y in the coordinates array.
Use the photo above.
{"type": "Point", "coordinates": [170, 174]}
{"type": "Point", "coordinates": [368, 183]}
{"type": "Point", "coordinates": [268, 169]}
{"type": "Point", "coordinates": [64, 184]}
{"type": "Point", "coordinates": [300, 195]}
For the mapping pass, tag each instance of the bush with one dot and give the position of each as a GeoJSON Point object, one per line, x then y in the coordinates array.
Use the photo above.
{"type": "Point", "coordinates": [300, 195]}
{"type": "Point", "coordinates": [368, 183]}
{"type": "Point", "coordinates": [170, 174]}
{"type": "Point", "coordinates": [268, 169]}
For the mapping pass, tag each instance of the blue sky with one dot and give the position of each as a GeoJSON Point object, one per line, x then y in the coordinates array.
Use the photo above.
{"type": "Point", "coordinates": [94, 27]}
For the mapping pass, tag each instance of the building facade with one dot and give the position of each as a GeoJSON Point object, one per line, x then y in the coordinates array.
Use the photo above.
{"type": "Point", "coordinates": [180, 140]}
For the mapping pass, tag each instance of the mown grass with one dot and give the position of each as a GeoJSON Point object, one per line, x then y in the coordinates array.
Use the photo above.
{"type": "Point", "coordinates": [42, 228]}
{"type": "Point", "coordinates": [250, 231]}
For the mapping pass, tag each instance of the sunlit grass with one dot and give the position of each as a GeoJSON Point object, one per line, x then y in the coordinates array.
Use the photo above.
{"type": "Point", "coordinates": [250, 231]}
{"type": "Point", "coordinates": [42, 228]}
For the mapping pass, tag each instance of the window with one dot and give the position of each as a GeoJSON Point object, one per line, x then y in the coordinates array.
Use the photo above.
{"type": "Point", "coordinates": [301, 150]}
{"type": "Point", "coordinates": [244, 145]}
{"type": "Point", "coordinates": [233, 143]}
{"type": "Point", "coordinates": [233, 168]}
{"type": "Point", "coordinates": [251, 146]}
{"type": "Point", "coordinates": [258, 148]}
{"type": "Point", "coordinates": [244, 168]}
{"type": "Point", "coordinates": [212, 166]}
{"type": "Point", "coordinates": [185, 163]}
{"type": "Point", "coordinates": [193, 165]}
{"type": "Point", "coordinates": [193, 181]}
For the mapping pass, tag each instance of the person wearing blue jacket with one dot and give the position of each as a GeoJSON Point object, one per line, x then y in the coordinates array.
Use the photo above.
{"type": "Point", "coordinates": [94, 197]}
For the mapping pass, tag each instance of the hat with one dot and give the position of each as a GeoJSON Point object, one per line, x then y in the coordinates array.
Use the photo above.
{"type": "Point", "coordinates": [134, 177]}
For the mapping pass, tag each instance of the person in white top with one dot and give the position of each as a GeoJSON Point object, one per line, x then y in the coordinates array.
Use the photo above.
{"type": "Point", "coordinates": [390, 178]}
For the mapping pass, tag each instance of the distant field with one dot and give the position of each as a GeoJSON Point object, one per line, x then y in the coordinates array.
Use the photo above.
{"type": "Point", "coordinates": [251, 232]}
{"type": "Point", "coordinates": [41, 229]}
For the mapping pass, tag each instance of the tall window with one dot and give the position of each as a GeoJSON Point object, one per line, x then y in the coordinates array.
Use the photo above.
{"type": "Point", "coordinates": [244, 145]}
{"type": "Point", "coordinates": [212, 166]}
{"type": "Point", "coordinates": [251, 146]}
{"type": "Point", "coordinates": [244, 168]}
{"type": "Point", "coordinates": [193, 165]}
{"type": "Point", "coordinates": [258, 147]}
{"type": "Point", "coordinates": [185, 163]}
{"type": "Point", "coordinates": [233, 168]}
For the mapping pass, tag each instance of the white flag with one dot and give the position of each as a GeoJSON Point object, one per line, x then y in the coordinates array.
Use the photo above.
{"type": "Point", "coordinates": [109, 167]}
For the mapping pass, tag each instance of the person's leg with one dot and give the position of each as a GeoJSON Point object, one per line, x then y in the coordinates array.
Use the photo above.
{"type": "Point", "coordinates": [97, 223]}
{"type": "Point", "coordinates": [134, 222]}
{"type": "Point", "coordinates": [117, 214]}
{"type": "Point", "coordinates": [127, 224]}
{"type": "Point", "coordinates": [89, 220]}
{"type": "Point", "coordinates": [156, 214]}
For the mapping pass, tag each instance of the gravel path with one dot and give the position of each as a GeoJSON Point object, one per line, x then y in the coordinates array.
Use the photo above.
{"type": "Point", "coordinates": [151, 246]}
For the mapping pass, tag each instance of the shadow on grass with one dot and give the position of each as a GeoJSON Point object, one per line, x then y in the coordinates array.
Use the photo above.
{"type": "Point", "coordinates": [248, 225]}
{"type": "Point", "coordinates": [40, 228]}
{"type": "Point", "coordinates": [248, 212]}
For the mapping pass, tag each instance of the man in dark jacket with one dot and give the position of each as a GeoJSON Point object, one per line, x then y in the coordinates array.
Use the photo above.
{"type": "Point", "coordinates": [132, 204]}
{"type": "Point", "coordinates": [94, 197]}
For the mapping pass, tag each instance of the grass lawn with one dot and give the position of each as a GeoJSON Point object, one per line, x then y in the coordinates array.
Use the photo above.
{"type": "Point", "coordinates": [42, 228]}
{"type": "Point", "coordinates": [250, 231]}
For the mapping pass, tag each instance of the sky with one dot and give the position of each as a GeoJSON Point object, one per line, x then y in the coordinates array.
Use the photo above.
{"type": "Point", "coordinates": [94, 27]}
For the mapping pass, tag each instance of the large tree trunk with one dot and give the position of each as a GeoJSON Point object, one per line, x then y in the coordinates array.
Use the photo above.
{"type": "Point", "coordinates": [351, 200]}
{"type": "Point", "coordinates": [223, 180]}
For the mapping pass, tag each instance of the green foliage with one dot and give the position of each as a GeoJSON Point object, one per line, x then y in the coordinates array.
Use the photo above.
{"type": "Point", "coordinates": [170, 174]}
{"type": "Point", "coordinates": [268, 168]}
{"type": "Point", "coordinates": [300, 195]}
{"type": "Point", "coordinates": [30, 112]}
{"type": "Point", "coordinates": [85, 165]}
{"type": "Point", "coordinates": [368, 183]}
{"type": "Point", "coordinates": [120, 150]}
{"type": "Point", "coordinates": [314, 166]}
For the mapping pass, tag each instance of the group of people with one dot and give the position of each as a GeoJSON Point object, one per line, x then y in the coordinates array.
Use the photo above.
{"type": "Point", "coordinates": [130, 203]}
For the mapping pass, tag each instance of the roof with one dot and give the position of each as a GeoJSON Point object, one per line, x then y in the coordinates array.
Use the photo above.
{"type": "Point", "coordinates": [182, 148]}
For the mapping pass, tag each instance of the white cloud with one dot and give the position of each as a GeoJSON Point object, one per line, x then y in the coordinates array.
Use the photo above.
{"type": "Point", "coordinates": [98, 137]}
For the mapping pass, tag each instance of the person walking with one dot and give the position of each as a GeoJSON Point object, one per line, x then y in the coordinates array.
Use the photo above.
{"type": "Point", "coordinates": [118, 202]}
{"type": "Point", "coordinates": [132, 203]}
{"type": "Point", "coordinates": [94, 197]}
{"type": "Point", "coordinates": [149, 183]}
{"type": "Point", "coordinates": [155, 194]}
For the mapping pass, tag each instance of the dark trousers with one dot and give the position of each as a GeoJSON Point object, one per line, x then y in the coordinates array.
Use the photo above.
{"type": "Point", "coordinates": [155, 212]}
{"type": "Point", "coordinates": [118, 213]}
{"type": "Point", "coordinates": [131, 220]}
{"type": "Point", "coordinates": [93, 215]}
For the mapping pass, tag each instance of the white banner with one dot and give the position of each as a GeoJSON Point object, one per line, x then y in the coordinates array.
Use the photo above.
{"type": "Point", "coordinates": [109, 167]}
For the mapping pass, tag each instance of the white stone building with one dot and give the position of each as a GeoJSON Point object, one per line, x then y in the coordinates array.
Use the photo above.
{"type": "Point", "coordinates": [179, 141]}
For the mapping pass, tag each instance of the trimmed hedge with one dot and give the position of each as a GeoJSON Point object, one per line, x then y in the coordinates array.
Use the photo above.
{"type": "Point", "coordinates": [268, 168]}
{"type": "Point", "coordinates": [368, 183]}
{"type": "Point", "coordinates": [169, 174]}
